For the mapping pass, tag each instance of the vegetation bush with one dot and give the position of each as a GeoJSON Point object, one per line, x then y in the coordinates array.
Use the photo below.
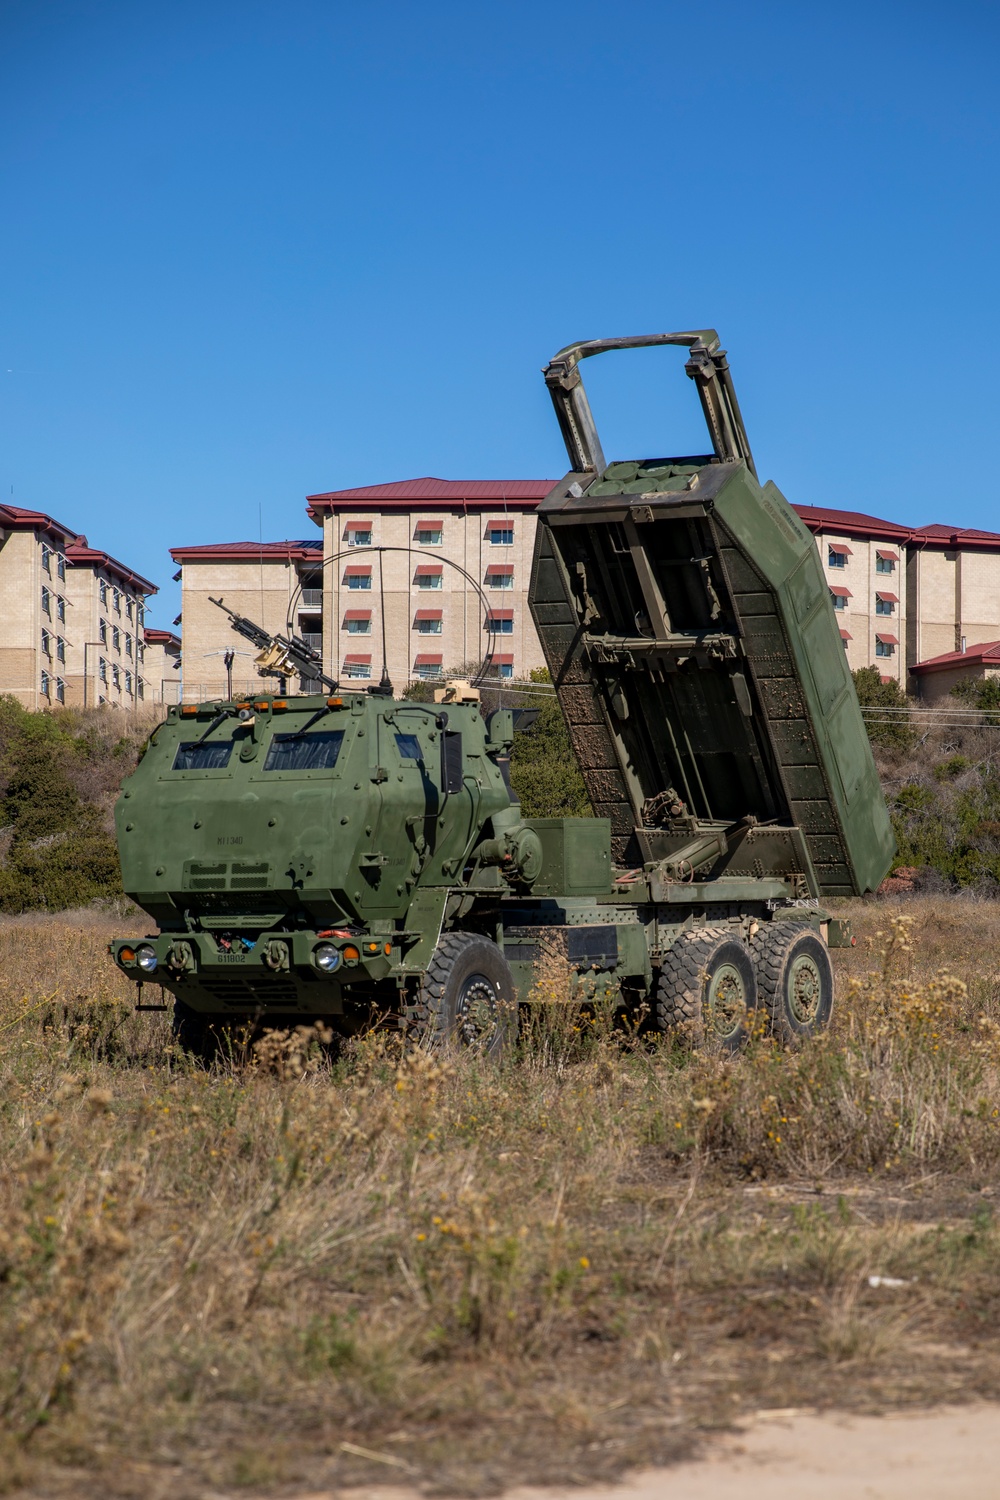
{"type": "Point", "coordinates": [59, 775]}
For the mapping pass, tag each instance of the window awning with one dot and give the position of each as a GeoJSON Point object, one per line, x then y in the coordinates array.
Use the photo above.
{"type": "Point", "coordinates": [430, 570]}
{"type": "Point", "coordinates": [358, 526]}
{"type": "Point", "coordinates": [501, 614]}
{"type": "Point", "coordinates": [502, 658]}
{"type": "Point", "coordinates": [887, 598]}
{"type": "Point", "coordinates": [505, 570]}
{"type": "Point", "coordinates": [845, 635]}
{"type": "Point", "coordinates": [357, 614]}
{"type": "Point", "coordinates": [423, 659]}
{"type": "Point", "coordinates": [357, 572]}
{"type": "Point", "coordinates": [887, 640]}
{"type": "Point", "coordinates": [358, 661]}
{"type": "Point", "coordinates": [840, 547]}
{"type": "Point", "coordinates": [428, 523]}
{"type": "Point", "coordinates": [427, 614]}
{"type": "Point", "coordinates": [840, 591]}
{"type": "Point", "coordinates": [502, 523]}
{"type": "Point", "coordinates": [886, 556]}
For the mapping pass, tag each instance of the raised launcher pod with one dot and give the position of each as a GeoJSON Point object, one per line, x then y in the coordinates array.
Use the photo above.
{"type": "Point", "coordinates": [691, 638]}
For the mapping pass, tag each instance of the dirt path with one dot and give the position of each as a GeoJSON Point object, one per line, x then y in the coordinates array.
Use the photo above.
{"type": "Point", "coordinates": [947, 1454]}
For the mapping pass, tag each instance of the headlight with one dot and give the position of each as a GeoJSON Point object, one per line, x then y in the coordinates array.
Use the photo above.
{"type": "Point", "coordinates": [146, 958]}
{"type": "Point", "coordinates": [326, 957]}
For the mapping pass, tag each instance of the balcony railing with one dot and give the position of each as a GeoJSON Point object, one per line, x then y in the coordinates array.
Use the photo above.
{"type": "Point", "coordinates": [313, 640]}
{"type": "Point", "coordinates": [312, 599]}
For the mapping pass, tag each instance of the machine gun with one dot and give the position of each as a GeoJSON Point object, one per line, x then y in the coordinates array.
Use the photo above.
{"type": "Point", "coordinates": [279, 655]}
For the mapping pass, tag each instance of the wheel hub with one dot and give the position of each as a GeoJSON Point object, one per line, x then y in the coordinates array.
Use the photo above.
{"type": "Point", "coordinates": [726, 1001]}
{"type": "Point", "coordinates": [804, 989]}
{"type": "Point", "coordinates": [478, 1011]}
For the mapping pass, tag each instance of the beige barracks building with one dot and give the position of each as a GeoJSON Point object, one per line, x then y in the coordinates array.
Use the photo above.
{"type": "Point", "coordinates": [438, 570]}
{"type": "Point", "coordinates": [72, 619]}
{"type": "Point", "coordinates": [435, 569]}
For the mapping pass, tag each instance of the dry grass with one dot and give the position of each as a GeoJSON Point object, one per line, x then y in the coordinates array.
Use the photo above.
{"type": "Point", "coordinates": [553, 1269]}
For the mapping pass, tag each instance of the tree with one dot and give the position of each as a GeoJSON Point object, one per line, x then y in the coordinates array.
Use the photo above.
{"type": "Point", "coordinates": [892, 726]}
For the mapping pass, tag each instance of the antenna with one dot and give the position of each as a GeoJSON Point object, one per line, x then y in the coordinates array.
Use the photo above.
{"type": "Point", "coordinates": [384, 686]}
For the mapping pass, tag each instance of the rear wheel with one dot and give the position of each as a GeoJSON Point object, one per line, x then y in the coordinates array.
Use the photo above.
{"type": "Point", "coordinates": [707, 992]}
{"type": "Point", "coordinates": [467, 995]}
{"type": "Point", "coordinates": [794, 979]}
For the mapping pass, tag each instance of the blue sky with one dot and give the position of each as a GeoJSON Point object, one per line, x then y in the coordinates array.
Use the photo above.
{"type": "Point", "coordinates": [252, 250]}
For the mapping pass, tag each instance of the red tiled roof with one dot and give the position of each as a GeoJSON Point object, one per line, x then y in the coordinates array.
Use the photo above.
{"type": "Point", "coordinates": [475, 494]}
{"type": "Point", "coordinates": [858, 523]}
{"type": "Point", "coordinates": [160, 637]}
{"type": "Point", "coordinates": [301, 551]}
{"type": "Point", "coordinates": [986, 651]}
{"type": "Point", "coordinates": [17, 518]}
{"type": "Point", "coordinates": [79, 555]}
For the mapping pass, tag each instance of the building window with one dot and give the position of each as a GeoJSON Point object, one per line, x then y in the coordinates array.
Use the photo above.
{"type": "Point", "coordinates": [60, 649]}
{"type": "Point", "coordinates": [60, 608]}
{"type": "Point", "coordinates": [116, 600]}
{"type": "Point", "coordinates": [128, 683]}
{"type": "Point", "coordinates": [359, 626]}
{"type": "Point", "coordinates": [500, 578]}
{"type": "Point", "coordinates": [46, 602]}
{"type": "Point", "coordinates": [140, 615]}
{"type": "Point", "coordinates": [428, 626]}
{"type": "Point", "coordinates": [500, 624]}
{"type": "Point", "coordinates": [116, 638]}
{"type": "Point", "coordinates": [46, 559]}
{"type": "Point", "coordinates": [358, 580]}
{"type": "Point", "coordinates": [506, 669]}
{"type": "Point", "coordinates": [885, 562]}
{"type": "Point", "coordinates": [104, 593]}
{"type": "Point", "coordinates": [884, 648]}
{"type": "Point", "coordinates": [837, 557]}
{"type": "Point", "coordinates": [102, 669]}
{"type": "Point", "coordinates": [429, 536]}
{"type": "Point", "coordinates": [128, 644]}
{"type": "Point", "coordinates": [359, 538]}
{"type": "Point", "coordinates": [116, 680]}
{"type": "Point", "coordinates": [46, 643]}
{"type": "Point", "coordinates": [427, 667]}
{"type": "Point", "coordinates": [102, 631]}
{"type": "Point", "coordinates": [60, 690]}
{"type": "Point", "coordinates": [140, 652]}
{"type": "Point", "coordinates": [884, 606]}
{"type": "Point", "coordinates": [60, 565]}
{"type": "Point", "coordinates": [357, 669]}
{"type": "Point", "coordinates": [839, 601]}
{"type": "Point", "coordinates": [128, 608]}
{"type": "Point", "coordinates": [427, 580]}
{"type": "Point", "coordinates": [501, 536]}
{"type": "Point", "coordinates": [46, 684]}
{"type": "Point", "coordinates": [140, 688]}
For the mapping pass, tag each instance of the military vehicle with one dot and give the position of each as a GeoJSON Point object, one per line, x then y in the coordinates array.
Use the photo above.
{"type": "Point", "coordinates": [352, 856]}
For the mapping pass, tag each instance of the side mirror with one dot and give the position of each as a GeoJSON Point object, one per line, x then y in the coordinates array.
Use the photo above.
{"type": "Point", "coordinates": [452, 762]}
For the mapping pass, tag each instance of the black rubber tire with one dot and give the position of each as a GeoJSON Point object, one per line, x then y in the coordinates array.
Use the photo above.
{"type": "Point", "coordinates": [694, 971]}
{"type": "Point", "coordinates": [794, 979]}
{"type": "Point", "coordinates": [467, 996]}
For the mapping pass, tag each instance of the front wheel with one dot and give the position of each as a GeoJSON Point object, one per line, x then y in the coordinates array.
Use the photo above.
{"type": "Point", "coordinates": [794, 979]}
{"type": "Point", "coordinates": [467, 995]}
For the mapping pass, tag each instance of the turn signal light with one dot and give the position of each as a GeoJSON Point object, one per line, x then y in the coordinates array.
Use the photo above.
{"type": "Point", "coordinates": [387, 949]}
{"type": "Point", "coordinates": [126, 955]}
{"type": "Point", "coordinates": [371, 947]}
{"type": "Point", "coordinates": [241, 707]}
{"type": "Point", "coordinates": [261, 705]}
{"type": "Point", "coordinates": [351, 954]}
{"type": "Point", "coordinates": [279, 703]}
{"type": "Point", "coordinates": [189, 709]}
{"type": "Point", "coordinates": [334, 702]}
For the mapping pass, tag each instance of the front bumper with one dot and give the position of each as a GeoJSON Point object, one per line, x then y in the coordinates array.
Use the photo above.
{"type": "Point", "coordinates": [214, 973]}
